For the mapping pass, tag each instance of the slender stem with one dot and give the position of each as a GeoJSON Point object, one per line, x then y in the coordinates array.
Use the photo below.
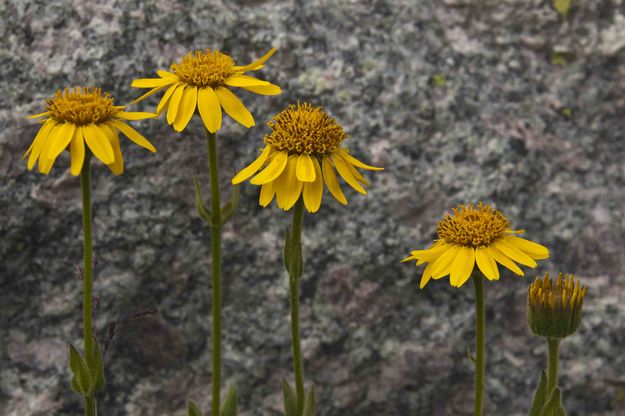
{"type": "Point", "coordinates": [480, 329]}
{"type": "Point", "coordinates": [90, 401]}
{"type": "Point", "coordinates": [552, 362]}
{"type": "Point", "coordinates": [296, 233]}
{"type": "Point", "coordinates": [90, 406]}
{"type": "Point", "coordinates": [213, 168]}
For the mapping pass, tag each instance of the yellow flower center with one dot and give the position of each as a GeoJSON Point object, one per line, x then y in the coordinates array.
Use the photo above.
{"type": "Point", "coordinates": [473, 226]}
{"type": "Point", "coordinates": [564, 294]}
{"type": "Point", "coordinates": [82, 106]}
{"type": "Point", "coordinates": [303, 128]}
{"type": "Point", "coordinates": [205, 69]}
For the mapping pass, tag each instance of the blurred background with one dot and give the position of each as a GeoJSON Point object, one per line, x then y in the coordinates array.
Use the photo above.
{"type": "Point", "coordinates": [503, 101]}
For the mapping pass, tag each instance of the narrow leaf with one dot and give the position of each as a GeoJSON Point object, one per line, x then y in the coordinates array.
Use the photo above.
{"type": "Point", "coordinates": [228, 210]}
{"type": "Point", "coordinates": [229, 407]}
{"type": "Point", "coordinates": [297, 265]}
{"type": "Point", "coordinates": [80, 380]}
{"type": "Point", "coordinates": [554, 406]}
{"type": "Point", "coordinates": [289, 399]}
{"type": "Point", "coordinates": [201, 209]}
{"type": "Point", "coordinates": [540, 397]}
{"type": "Point", "coordinates": [309, 404]}
{"type": "Point", "coordinates": [96, 367]}
{"type": "Point", "coordinates": [192, 409]}
{"type": "Point", "coordinates": [287, 250]}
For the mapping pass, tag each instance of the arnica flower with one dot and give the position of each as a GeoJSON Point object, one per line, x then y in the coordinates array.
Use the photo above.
{"type": "Point", "coordinates": [555, 309]}
{"type": "Point", "coordinates": [79, 116]}
{"type": "Point", "coordinates": [301, 154]}
{"type": "Point", "coordinates": [476, 235]}
{"type": "Point", "coordinates": [201, 81]}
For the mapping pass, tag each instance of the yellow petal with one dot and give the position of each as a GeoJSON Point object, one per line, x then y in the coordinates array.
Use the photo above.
{"type": "Point", "coordinates": [426, 276]}
{"type": "Point", "coordinates": [134, 115]}
{"type": "Point", "coordinates": [165, 74]}
{"type": "Point", "coordinates": [39, 141]}
{"type": "Point", "coordinates": [245, 81]}
{"type": "Point", "coordinates": [186, 108]}
{"type": "Point", "coordinates": [430, 254]}
{"type": "Point", "coordinates": [147, 94]}
{"type": "Point", "coordinates": [504, 260]}
{"type": "Point", "coordinates": [332, 182]}
{"type": "Point", "coordinates": [59, 140]}
{"type": "Point", "coordinates": [462, 266]}
{"type": "Point", "coordinates": [273, 170]}
{"type": "Point", "coordinates": [486, 263]}
{"type": "Point", "coordinates": [117, 167]}
{"type": "Point", "coordinates": [351, 159]}
{"type": "Point", "coordinates": [166, 97]}
{"type": "Point", "coordinates": [133, 135]}
{"type": "Point", "coordinates": [253, 167]}
{"type": "Point", "coordinates": [514, 253]}
{"type": "Point", "coordinates": [256, 64]}
{"type": "Point", "coordinates": [288, 188]}
{"type": "Point", "coordinates": [534, 250]}
{"type": "Point", "coordinates": [77, 152]}
{"type": "Point", "coordinates": [305, 168]}
{"type": "Point", "coordinates": [210, 109]}
{"type": "Point", "coordinates": [267, 191]}
{"type": "Point", "coordinates": [270, 89]}
{"type": "Point", "coordinates": [99, 143]}
{"type": "Point", "coordinates": [45, 113]}
{"type": "Point", "coordinates": [442, 266]}
{"type": "Point", "coordinates": [346, 173]}
{"type": "Point", "coordinates": [313, 191]}
{"type": "Point", "coordinates": [358, 175]}
{"type": "Point", "coordinates": [234, 107]}
{"type": "Point", "coordinates": [174, 104]}
{"type": "Point", "coordinates": [152, 82]}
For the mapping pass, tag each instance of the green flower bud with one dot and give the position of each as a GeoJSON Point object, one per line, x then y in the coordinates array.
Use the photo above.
{"type": "Point", "coordinates": [555, 310]}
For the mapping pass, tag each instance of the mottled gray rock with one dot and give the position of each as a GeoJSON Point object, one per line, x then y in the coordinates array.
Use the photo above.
{"type": "Point", "coordinates": [461, 101]}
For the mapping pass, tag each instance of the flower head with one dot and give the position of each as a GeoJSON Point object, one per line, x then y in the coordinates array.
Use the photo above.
{"type": "Point", "coordinates": [555, 309]}
{"type": "Point", "coordinates": [301, 153]}
{"type": "Point", "coordinates": [476, 235]}
{"type": "Point", "coordinates": [79, 116]}
{"type": "Point", "coordinates": [201, 81]}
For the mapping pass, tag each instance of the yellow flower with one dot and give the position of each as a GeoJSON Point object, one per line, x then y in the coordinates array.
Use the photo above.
{"type": "Point", "coordinates": [476, 235]}
{"type": "Point", "coordinates": [201, 81]}
{"type": "Point", "coordinates": [83, 116]}
{"type": "Point", "coordinates": [301, 154]}
{"type": "Point", "coordinates": [555, 310]}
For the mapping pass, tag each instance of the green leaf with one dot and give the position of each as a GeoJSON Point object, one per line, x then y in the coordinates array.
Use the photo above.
{"type": "Point", "coordinates": [192, 409]}
{"type": "Point", "coordinates": [80, 379]}
{"type": "Point", "coordinates": [439, 80]}
{"type": "Point", "coordinates": [288, 249]}
{"type": "Point", "coordinates": [563, 7]}
{"type": "Point", "coordinates": [554, 406]}
{"type": "Point", "coordinates": [229, 407]}
{"type": "Point", "coordinates": [95, 364]}
{"type": "Point", "coordinates": [204, 213]}
{"type": "Point", "coordinates": [309, 404]}
{"type": "Point", "coordinates": [290, 407]}
{"type": "Point", "coordinates": [228, 210]}
{"type": "Point", "coordinates": [297, 265]}
{"type": "Point", "coordinates": [540, 397]}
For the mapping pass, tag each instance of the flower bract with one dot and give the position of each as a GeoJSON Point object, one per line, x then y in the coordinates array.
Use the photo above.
{"type": "Point", "coordinates": [202, 81]}
{"type": "Point", "coordinates": [304, 151]}
{"type": "Point", "coordinates": [476, 235]}
{"type": "Point", "coordinates": [80, 120]}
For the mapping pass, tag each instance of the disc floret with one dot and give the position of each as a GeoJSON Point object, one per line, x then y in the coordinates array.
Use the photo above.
{"type": "Point", "coordinates": [205, 68]}
{"type": "Point", "coordinates": [82, 106]}
{"type": "Point", "coordinates": [473, 226]}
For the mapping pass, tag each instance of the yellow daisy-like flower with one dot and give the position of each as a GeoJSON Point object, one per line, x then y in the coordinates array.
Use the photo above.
{"type": "Point", "coordinates": [476, 235]}
{"type": "Point", "coordinates": [301, 154]}
{"type": "Point", "coordinates": [201, 81]}
{"type": "Point", "coordinates": [79, 116]}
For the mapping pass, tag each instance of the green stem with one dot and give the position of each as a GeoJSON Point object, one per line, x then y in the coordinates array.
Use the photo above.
{"type": "Point", "coordinates": [552, 378]}
{"type": "Point", "coordinates": [480, 329]}
{"type": "Point", "coordinates": [296, 234]}
{"type": "Point", "coordinates": [90, 401]}
{"type": "Point", "coordinates": [213, 167]}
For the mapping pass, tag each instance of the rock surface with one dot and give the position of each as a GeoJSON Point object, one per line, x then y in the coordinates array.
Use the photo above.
{"type": "Point", "coordinates": [460, 101]}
